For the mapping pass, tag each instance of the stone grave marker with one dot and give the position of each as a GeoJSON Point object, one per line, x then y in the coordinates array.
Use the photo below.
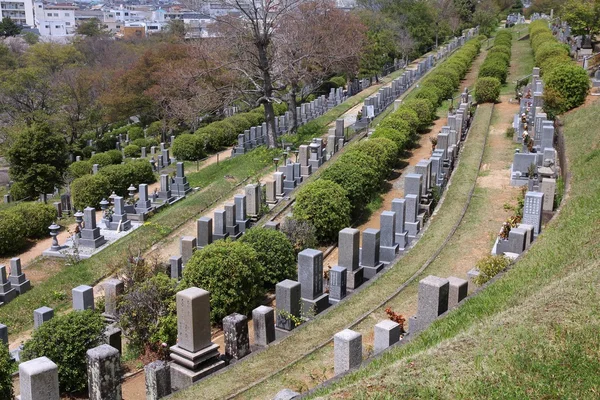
{"type": "Point", "coordinates": [347, 351]}
{"type": "Point", "coordinates": [287, 295]}
{"type": "Point", "coordinates": [83, 298]}
{"type": "Point", "coordinates": [369, 254]}
{"type": "Point", "coordinates": [263, 319]}
{"type": "Point", "coordinates": [104, 373]}
{"type": "Point", "coordinates": [348, 256]}
{"type": "Point", "coordinates": [310, 277]}
{"type": "Point", "coordinates": [38, 379]}
{"type": "Point", "coordinates": [235, 331]}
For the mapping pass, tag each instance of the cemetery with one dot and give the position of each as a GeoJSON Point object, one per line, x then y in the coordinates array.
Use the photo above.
{"type": "Point", "coordinates": [232, 287]}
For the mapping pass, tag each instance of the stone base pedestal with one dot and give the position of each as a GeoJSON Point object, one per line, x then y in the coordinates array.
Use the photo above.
{"type": "Point", "coordinates": [402, 240]}
{"type": "Point", "coordinates": [233, 232]}
{"type": "Point", "coordinates": [243, 225]}
{"type": "Point", "coordinates": [354, 278]}
{"type": "Point", "coordinates": [125, 225]}
{"type": "Point", "coordinates": [412, 228]}
{"type": "Point", "coordinates": [317, 305]}
{"type": "Point", "coordinates": [217, 236]}
{"type": "Point", "coordinates": [370, 272]}
{"type": "Point", "coordinates": [91, 238]}
{"type": "Point", "coordinates": [387, 253]}
{"type": "Point", "coordinates": [188, 367]}
{"type": "Point", "coordinates": [182, 377]}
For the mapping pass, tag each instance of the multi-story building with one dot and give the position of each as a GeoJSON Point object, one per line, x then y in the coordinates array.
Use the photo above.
{"type": "Point", "coordinates": [20, 11]}
{"type": "Point", "coordinates": [55, 19]}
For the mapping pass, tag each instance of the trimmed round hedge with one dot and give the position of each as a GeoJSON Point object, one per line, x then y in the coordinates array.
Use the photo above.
{"type": "Point", "coordinates": [26, 220]}
{"type": "Point", "coordinates": [571, 83]}
{"type": "Point", "coordinates": [89, 190]}
{"type": "Point", "coordinates": [487, 90]}
{"type": "Point", "coordinates": [324, 204]}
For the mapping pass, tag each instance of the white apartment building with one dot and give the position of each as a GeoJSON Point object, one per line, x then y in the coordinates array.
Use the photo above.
{"type": "Point", "coordinates": [20, 11]}
{"type": "Point", "coordinates": [55, 20]}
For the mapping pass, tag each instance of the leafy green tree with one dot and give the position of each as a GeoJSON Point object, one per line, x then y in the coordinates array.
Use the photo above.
{"type": "Point", "coordinates": [275, 253]}
{"type": "Point", "coordinates": [144, 309]}
{"type": "Point", "coordinates": [8, 27]}
{"type": "Point", "coordinates": [233, 275]}
{"type": "Point", "coordinates": [65, 339]}
{"type": "Point", "coordinates": [91, 28]}
{"type": "Point", "coordinates": [324, 204]}
{"type": "Point", "coordinates": [583, 16]}
{"type": "Point", "coordinates": [6, 384]}
{"type": "Point", "coordinates": [38, 159]}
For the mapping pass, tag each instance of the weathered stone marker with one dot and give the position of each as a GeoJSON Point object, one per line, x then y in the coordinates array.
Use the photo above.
{"type": "Point", "coordinates": [158, 380]}
{"type": "Point", "coordinates": [263, 318]}
{"type": "Point", "coordinates": [104, 373]}
{"type": "Point", "coordinates": [348, 256]}
{"type": "Point", "coordinates": [347, 351]}
{"type": "Point", "coordinates": [38, 379]}
{"type": "Point", "coordinates": [287, 294]}
{"type": "Point", "coordinates": [235, 331]}
{"type": "Point", "coordinates": [387, 333]}
{"type": "Point", "coordinates": [310, 276]}
{"type": "Point", "coordinates": [83, 298]}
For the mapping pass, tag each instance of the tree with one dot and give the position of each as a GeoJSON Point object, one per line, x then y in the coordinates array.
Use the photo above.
{"type": "Point", "coordinates": [177, 28]}
{"type": "Point", "coordinates": [486, 17]}
{"type": "Point", "coordinates": [275, 254]}
{"type": "Point", "coordinates": [91, 28]}
{"type": "Point", "coordinates": [583, 16]}
{"type": "Point", "coordinates": [38, 159]}
{"type": "Point", "coordinates": [65, 339]}
{"type": "Point", "coordinates": [9, 28]}
{"type": "Point", "coordinates": [231, 272]}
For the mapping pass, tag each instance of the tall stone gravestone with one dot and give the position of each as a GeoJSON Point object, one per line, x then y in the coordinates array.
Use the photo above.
{"type": "Point", "coordinates": [119, 218]}
{"type": "Point", "coordinates": [263, 318]}
{"type": "Point", "coordinates": [204, 232]}
{"type": "Point", "coordinates": [194, 356]}
{"type": "Point", "coordinates": [7, 293]}
{"type": "Point", "coordinates": [104, 373]}
{"type": "Point", "coordinates": [180, 186]}
{"type": "Point", "coordinates": [388, 247]}
{"type": "Point", "coordinates": [432, 302]}
{"type": "Point", "coordinates": [90, 234]}
{"type": "Point", "coordinates": [220, 225]}
{"type": "Point", "coordinates": [241, 217]}
{"type": "Point", "coordinates": [369, 253]}
{"type": "Point", "coordinates": [310, 276]}
{"type": "Point", "coordinates": [532, 210]}
{"type": "Point", "coordinates": [143, 205]}
{"type": "Point", "coordinates": [288, 295]}
{"type": "Point", "coordinates": [231, 225]}
{"type": "Point", "coordinates": [253, 200]}
{"type": "Point", "coordinates": [235, 332]}
{"type": "Point", "coordinates": [348, 256]}
{"type": "Point", "coordinates": [401, 236]}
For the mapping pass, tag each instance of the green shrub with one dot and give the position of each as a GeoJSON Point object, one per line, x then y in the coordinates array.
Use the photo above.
{"type": "Point", "coordinates": [12, 232]}
{"type": "Point", "coordinates": [132, 151]}
{"type": "Point", "coordinates": [500, 49]}
{"type": "Point", "coordinates": [188, 147]}
{"type": "Point", "coordinates": [135, 132]}
{"type": "Point", "coordinates": [102, 159]}
{"type": "Point", "coordinates": [121, 176]}
{"type": "Point", "coordinates": [430, 93]}
{"type": "Point", "coordinates": [489, 267]}
{"type": "Point", "coordinates": [154, 129]}
{"type": "Point", "coordinates": [401, 140]}
{"type": "Point", "coordinates": [144, 308]}
{"type": "Point", "coordinates": [338, 81]}
{"type": "Point", "coordinates": [395, 122]}
{"type": "Point", "coordinates": [116, 157]}
{"type": "Point", "coordinates": [324, 204]}
{"type": "Point", "coordinates": [79, 169]}
{"type": "Point", "coordinates": [382, 150]}
{"type": "Point", "coordinates": [550, 50]}
{"type": "Point", "coordinates": [240, 122]}
{"type": "Point", "coordinates": [39, 217]}
{"type": "Point", "coordinates": [571, 83]}
{"type": "Point", "coordinates": [89, 190]}
{"type": "Point", "coordinates": [424, 109]}
{"type": "Point", "coordinates": [540, 39]}
{"type": "Point", "coordinates": [255, 119]}
{"type": "Point", "coordinates": [275, 253]}
{"type": "Point", "coordinates": [301, 234]}
{"type": "Point", "coordinates": [6, 383]}
{"type": "Point", "coordinates": [408, 115]}
{"type": "Point", "coordinates": [147, 143]}
{"type": "Point", "coordinates": [280, 108]}
{"type": "Point", "coordinates": [65, 339]}
{"type": "Point", "coordinates": [231, 272]}
{"type": "Point", "coordinates": [494, 68]}
{"type": "Point", "coordinates": [487, 90]}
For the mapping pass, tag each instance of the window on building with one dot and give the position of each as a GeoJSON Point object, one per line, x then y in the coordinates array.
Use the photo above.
{"type": "Point", "coordinates": [67, 15]}
{"type": "Point", "coordinates": [49, 14]}
{"type": "Point", "coordinates": [56, 14]}
{"type": "Point", "coordinates": [118, 14]}
{"type": "Point", "coordinates": [57, 26]}
{"type": "Point", "coordinates": [118, 26]}
{"type": "Point", "coordinates": [67, 23]}
{"type": "Point", "coordinates": [127, 14]}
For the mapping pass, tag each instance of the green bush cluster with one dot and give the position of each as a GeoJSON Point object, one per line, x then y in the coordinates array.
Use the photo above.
{"type": "Point", "coordinates": [490, 266]}
{"type": "Point", "coordinates": [80, 168]}
{"type": "Point", "coordinates": [487, 90]}
{"type": "Point", "coordinates": [109, 157]}
{"type": "Point", "coordinates": [27, 220]}
{"type": "Point", "coordinates": [566, 84]}
{"type": "Point", "coordinates": [89, 190]}
{"type": "Point", "coordinates": [65, 339]}
{"type": "Point", "coordinates": [6, 383]}
{"type": "Point", "coordinates": [121, 176]}
{"type": "Point", "coordinates": [497, 61]}
{"type": "Point", "coordinates": [132, 151]}
{"type": "Point", "coordinates": [188, 147]}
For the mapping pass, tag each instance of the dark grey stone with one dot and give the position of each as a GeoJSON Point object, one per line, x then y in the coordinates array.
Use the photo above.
{"type": "Point", "coordinates": [263, 318]}
{"type": "Point", "coordinates": [235, 331]}
{"type": "Point", "coordinates": [158, 380]}
{"type": "Point", "coordinates": [288, 297]}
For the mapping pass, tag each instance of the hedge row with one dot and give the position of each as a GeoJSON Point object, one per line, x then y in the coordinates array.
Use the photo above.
{"type": "Point", "coordinates": [27, 220]}
{"type": "Point", "coordinates": [84, 167]}
{"type": "Point", "coordinates": [494, 70]}
{"type": "Point", "coordinates": [352, 181]}
{"type": "Point", "coordinates": [497, 61]}
{"type": "Point", "coordinates": [566, 84]}
{"type": "Point", "coordinates": [89, 190]}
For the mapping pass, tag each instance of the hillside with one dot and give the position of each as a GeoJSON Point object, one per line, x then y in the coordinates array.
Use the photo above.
{"type": "Point", "coordinates": [533, 332]}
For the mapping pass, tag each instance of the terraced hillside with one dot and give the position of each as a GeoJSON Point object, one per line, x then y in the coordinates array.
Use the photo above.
{"type": "Point", "coordinates": [532, 332]}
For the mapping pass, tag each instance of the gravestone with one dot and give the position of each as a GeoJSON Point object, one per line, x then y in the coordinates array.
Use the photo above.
{"type": "Point", "coordinates": [165, 193]}
{"type": "Point", "coordinates": [90, 234]}
{"type": "Point", "coordinates": [289, 182]}
{"type": "Point", "coordinates": [288, 297]}
{"type": "Point", "coordinates": [17, 278]}
{"type": "Point", "coordinates": [38, 380]}
{"type": "Point", "coordinates": [83, 298]}
{"type": "Point", "coordinates": [532, 210]}
{"type": "Point", "coordinates": [413, 184]}
{"type": "Point", "coordinates": [432, 302]}
{"type": "Point", "coordinates": [423, 168]}
{"type": "Point", "coordinates": [278, 178]}
{"type": "Point", "coordinates": [241, 218]}
{"type": "Point", "coordinates": [158, 380]}
{"type": "Point", "coordinates": [388, 248]}
{"type": "Point", "coordinates": [253, 202]}
{"type": "Point", "coordinates": [310, 277]}
{"type": "Point", "coordinates": [231, 225]}
{"type": "Point", "coordinates": [113, 288]}
{"type": "Point", "coordinates": [369, 254]}
{"type": "Point", "coordinates": [235, 332]}
{"type": "Point", "coordinates": [143, 205]}
{"type": "Point", "coordinates": [272, 225]}
{"type": "Point", "coordinates": [41, 315]}
{"type": "Point", "coordinates": [411, 223]}
{"type": "Point", "coordinates": [457, 291]}
{"type": "Point", "coordinates": [348, 256]}
{"type": "Point", "coordinates": [58, 208]}
{"type": "Point", "coordinates": [176, 267]}
{"type": "Point", "coordinates": [337, 283]}
{"type": "Point", "coordinates": [270, 192]}
{"type": "Point", "coordinates": [347, 351]}
{"type": "Point", "coordinates": [194, 356]}
{"type": "Point", "coordinates": [548, 188]}
{"type": "Point", "coordinates": [220, 225]}
{"type": "Point", "coordinates": [119, 217]}
{"type": "Point", "coordinates": [263, 319]}
{"type": "Point", "coordinates": [3, 334]}
{"type": "Point", "coordinates": [187, 245]}
{"type": "Point", "coordinates": [7, 293]}
{"type": "Point", "coordinates": [204, 232]}
{"type": "Point", "coordinates": [401, 236]}
{"type": "Point", "coordinates": [104, 373]}
{"type": "Point", "coordinates": [386, 333]}
{"type": "Point", "coordinates": [181, 186]}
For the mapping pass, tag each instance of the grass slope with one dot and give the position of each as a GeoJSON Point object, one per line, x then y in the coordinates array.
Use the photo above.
{"type": "Point", "coordinates": [533, 333]}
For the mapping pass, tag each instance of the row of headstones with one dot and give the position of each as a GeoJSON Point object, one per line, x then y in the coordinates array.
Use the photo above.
{"type": "Point", "coordinates": [257, 135]}
{"type": "Point", "coordinates": [14, 284]}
